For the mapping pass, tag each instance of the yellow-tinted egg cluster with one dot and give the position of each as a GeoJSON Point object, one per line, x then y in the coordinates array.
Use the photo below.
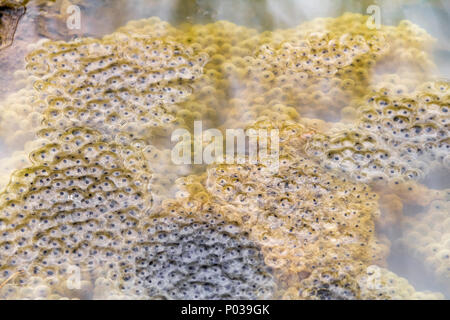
{"type": "Point", "coordinates": [122, 82]}
{"type": "Point", "coordinates": [304, 218]}
{"type": "Point", "coordinates": [224, 42]}
{"type": "Point", "coordinates": [398, 136]}
{"type": "Point", "coordinates": [301, 76]}
{"type": "Point", "coordinates": [78, 206]}
{"type": "Point", "coordinates": [427, 237]}
{"type": "Point", "coordinates": [394, 49]}
{"type": "Point", "coordinates": [95, 198]}
{"type": "Point", "coordinates": [152, 27]}
{"type": "Point", "coordinates": [317, 68]}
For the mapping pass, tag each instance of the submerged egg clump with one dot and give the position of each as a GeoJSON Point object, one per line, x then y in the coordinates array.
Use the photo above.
{"type": "Point", "coordinates": [397, 136]}
{"type": "Point", "coordinates": [317, 68]}
{"type": "Point", "coordinates": [381, 284]}
{"type": "Point", "coordinates": [96, 198]}
{"type": "Point", "coordinates": [303, 217]}
{"type": "Point", "coordinates": [402, 49]}
{"type": "Point", "coordinates": [125, 81]}
{"type": "Point", "coordinates": [192, 253]}
{"type": "Point", "coordinates": [375, 283]}
{"type": "Point", "coordinates": [224, 42]}
{"type": "Point", "coordinates": [301, 76]}
{"type": "Point", "coordinates": [79, 205]}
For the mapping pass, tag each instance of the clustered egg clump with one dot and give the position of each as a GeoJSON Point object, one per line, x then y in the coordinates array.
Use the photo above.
{"type": "Point", "coordinates": [193, 253]}
{"type": "Point", "coordinates": [219, 72]}
{"type": "Point", "coordinates": [86, 202]}
{"type": "Point", "coordinates": [304, 218]}
{"type": "Point", "coordinates": [399, 135]}
{"type": "Point", "coordinates": [375, 283]}
{"type": "Point", "coordinates": [99, 193]}
{"type": "Point", "coordinates": [79, 205]}
{"type": "Point", "coordinates": [131, 80]}
{"type": "Point", "coordinates": [304, 76]}
{"type": "Point", "coordinates": [317, 68]}
{"type": "Point", "coordinates": [381, 284]}
{"type": "Point", "coordinates": [119, 83]}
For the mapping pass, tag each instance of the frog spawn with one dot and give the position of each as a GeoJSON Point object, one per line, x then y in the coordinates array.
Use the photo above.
{"type": "Point", "coordinates": [401, 49]}
{"type": "Point", "coordinates": [300, 222]}
{"type": "Point", "coordinates": [304, 218]}
{"type": "Point", "coordinates": [298, 77]}
{"type": "Point", "coordinates": [397, 137]}
{"type": "Point", "coordinates": [381, 284]}
{"type": "Point", "coordinates": [336, 64]}
{"type": "Point", "coordinates": [374, 283]}
{"type": "Point", "coordinates": [317, 68]}
{"type": "Point", "coordinates": [87, 201]}
{"type": "Point", "coordinates": [120, 83]}
{"type": "Point", "coordinates": [417, 123]}
{"type": "Point", "coordinates": [215, 80]}
{"type": "Point", "coordinates": [78, 206]}
{"type": "Point", "coordinates": [192, 253]}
